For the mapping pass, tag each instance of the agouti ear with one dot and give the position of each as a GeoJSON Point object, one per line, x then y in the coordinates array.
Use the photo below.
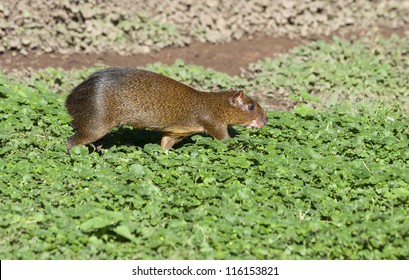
{"type": "Point", "coordinates": [237, 98]}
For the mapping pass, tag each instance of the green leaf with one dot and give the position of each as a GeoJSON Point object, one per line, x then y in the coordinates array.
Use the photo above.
{"type": "Point", "coordinates": [304, 111]}
{"type": "Point", "coordinates": [124, 232]}
{"type": "Point", "coordinates": [4, 90]}
{"type": "Point", "coordinates": [95, 223]}
{"type": "Point", "coordinates": [307, 97]}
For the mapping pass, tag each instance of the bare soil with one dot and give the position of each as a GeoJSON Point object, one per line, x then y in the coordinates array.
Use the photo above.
{"type": "Point", "coordinates": [230, 58]}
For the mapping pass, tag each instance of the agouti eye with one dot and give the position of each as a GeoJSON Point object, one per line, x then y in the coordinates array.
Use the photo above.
{"type": "Point", "coordinates": [251, 107]}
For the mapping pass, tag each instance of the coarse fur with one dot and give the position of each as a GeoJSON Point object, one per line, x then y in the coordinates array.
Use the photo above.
{"type": "Point", "coordinates": [143, 99]}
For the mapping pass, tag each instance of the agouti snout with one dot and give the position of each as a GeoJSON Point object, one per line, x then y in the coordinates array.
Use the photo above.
{"type": "Point", "coordinates": [143, 99]}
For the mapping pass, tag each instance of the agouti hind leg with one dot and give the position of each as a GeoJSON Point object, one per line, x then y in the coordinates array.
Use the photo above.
{"type": "Point", "coordinates": [168, 141]}
{"type": "Point", "coordinates": [82, 138]}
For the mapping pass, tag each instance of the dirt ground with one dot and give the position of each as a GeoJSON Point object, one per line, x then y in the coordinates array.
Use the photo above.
{"type": "Point", "coordinates": [230, 58]}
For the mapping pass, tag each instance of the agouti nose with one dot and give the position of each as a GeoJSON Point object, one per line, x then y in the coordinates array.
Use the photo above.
{"type": "Point", "coordinates": [265, 120]}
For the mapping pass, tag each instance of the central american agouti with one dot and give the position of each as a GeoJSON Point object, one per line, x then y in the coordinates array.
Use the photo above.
{"type": "Point", "coordinates": [143, 99]}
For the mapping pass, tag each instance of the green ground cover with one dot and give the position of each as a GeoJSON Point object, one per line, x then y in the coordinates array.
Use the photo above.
{"type": "Point", "coordinates": [324, 183]}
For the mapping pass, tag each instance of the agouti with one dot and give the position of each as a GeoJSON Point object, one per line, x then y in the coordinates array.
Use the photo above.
{"type": "Point", "coordinates": [143, 99]}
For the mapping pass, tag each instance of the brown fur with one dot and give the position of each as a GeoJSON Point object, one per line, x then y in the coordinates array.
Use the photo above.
{"type": "Point", "coordinates": [143, 99]}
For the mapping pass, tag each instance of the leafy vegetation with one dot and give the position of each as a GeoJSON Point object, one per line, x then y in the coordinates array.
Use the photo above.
{"type": "Point", "coordinates": [310, 185]}
{"type": "Point", "coordinates": [313, 184]}
{"type": "Point", "coordinates": [350, 76]}
{"type": "Point", "coordinates": [343, 74]}
{"type": "Point", "coordinates": [70, 26]}
{"type": "Point", "coordinates": [138, 26]}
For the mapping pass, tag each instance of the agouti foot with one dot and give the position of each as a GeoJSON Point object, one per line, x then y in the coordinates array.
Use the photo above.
{"type": "Point", "coordinates": [69, 146]}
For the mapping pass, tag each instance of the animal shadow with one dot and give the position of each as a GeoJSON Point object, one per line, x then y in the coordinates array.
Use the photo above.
{"type": "Point", "coordinates": [131, 137]}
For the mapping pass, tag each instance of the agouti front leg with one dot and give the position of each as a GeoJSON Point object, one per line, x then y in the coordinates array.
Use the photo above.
{"type": "Point", "coordinates": [219, 132]}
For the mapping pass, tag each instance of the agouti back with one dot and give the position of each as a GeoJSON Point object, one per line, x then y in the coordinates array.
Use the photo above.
{"type": "Point", "coordinates": [143, 99]}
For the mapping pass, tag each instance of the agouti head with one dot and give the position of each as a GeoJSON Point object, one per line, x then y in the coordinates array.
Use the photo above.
{"type": "Point", "coordinates": [246, 111]}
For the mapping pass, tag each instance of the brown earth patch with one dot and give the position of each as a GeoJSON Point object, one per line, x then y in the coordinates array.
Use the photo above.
{"type": "Point", "coordinates": [230, 58]}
